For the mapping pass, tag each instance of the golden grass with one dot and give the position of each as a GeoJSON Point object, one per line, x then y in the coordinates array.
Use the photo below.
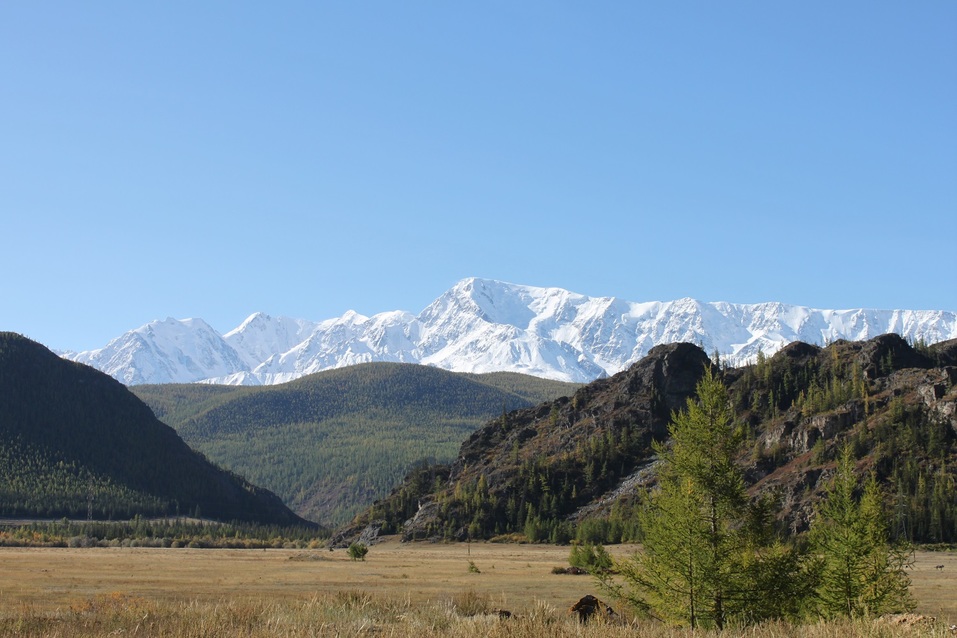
{"type": "Point", "coordinates": [340, 616]}
{"type": "Point", "coordinates": [420, 590]}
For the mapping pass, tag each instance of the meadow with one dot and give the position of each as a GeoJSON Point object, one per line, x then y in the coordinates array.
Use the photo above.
{"type": "Point", "coordinates": [416, 589]}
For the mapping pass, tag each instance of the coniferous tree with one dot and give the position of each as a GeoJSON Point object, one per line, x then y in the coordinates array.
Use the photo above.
{"type": "Point", "coordinates": [858, 571]}
{"type": "Point", "coordinates": [709, 556]}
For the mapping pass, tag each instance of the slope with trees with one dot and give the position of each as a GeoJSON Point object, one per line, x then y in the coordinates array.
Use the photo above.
{"type": "Point", "coordinates": [580, 467]}
{"type": "Point", "coordinates": [710, 556]}
{"type": "Point", "coordinates": [526, 472]}
{"type": "Point", "coordinates": [76, 443]}
{"type": "Point", "coordinates": [331, 443]}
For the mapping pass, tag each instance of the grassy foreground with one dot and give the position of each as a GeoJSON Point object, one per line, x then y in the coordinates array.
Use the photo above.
{"type": "Point", "coordinates": [417, 590]}
{"type": "Point", "coordinates": [362, 614]}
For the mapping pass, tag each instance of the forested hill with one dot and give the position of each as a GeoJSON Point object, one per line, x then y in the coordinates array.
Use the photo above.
{"type": "Point", "coordinates": [579, 466]}
{"type": "Point", "coordinates": [331, 443]}
{"type": "Point", "coordinates": [75, 441]}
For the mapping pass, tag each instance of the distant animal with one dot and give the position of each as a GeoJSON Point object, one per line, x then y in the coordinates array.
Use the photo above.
{"type": "Point", "coordinates": [939, 567]}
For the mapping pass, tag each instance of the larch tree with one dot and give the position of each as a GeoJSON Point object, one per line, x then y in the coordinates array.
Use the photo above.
{"type": "Point", "coordinates": [858, 571]}
{"type": "Point", "coordinates": [708, 555]}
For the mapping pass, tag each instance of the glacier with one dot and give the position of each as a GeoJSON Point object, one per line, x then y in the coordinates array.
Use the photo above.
{"type": "Point", "coordinates": [483, 325]}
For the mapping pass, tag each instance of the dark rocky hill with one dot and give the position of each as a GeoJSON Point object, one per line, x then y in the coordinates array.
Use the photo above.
{"type": "Point", "coordinates": [74, 441]}
{"type": "Point", "coordinates": [579, 466]}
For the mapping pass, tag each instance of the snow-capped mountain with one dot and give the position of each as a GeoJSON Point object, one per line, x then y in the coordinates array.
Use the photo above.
{"type": "Point", "coordinates": [482, 325]}
{"type": "Point", "coordinates": [164, 352]}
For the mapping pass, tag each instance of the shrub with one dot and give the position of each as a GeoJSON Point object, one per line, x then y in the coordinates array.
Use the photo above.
{"type": "Point", "coordinates": [471, 603]}
{"type": "Point", "coordinates": [592, 558]}
{"type": "Point", "coordinates": [358, 551]}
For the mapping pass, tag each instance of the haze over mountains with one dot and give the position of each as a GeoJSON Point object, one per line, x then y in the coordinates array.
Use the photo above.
{"type": "Point", "coordinates": [483, 325]}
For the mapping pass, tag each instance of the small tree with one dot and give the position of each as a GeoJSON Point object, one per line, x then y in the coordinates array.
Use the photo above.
{"type": "Point", "coordinates": [358, 551]}
{"type": "Point", "coordinates": [858, 572]}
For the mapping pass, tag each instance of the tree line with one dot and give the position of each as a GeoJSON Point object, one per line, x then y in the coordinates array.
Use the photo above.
{"type": "Point", "coordinates": [178, 532]}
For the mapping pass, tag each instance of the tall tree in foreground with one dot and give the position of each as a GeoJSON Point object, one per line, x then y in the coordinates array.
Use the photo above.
{"type": "Point", "coordinates": [858, 571]}
{"type": "Point", "coordinates": [708, 555]}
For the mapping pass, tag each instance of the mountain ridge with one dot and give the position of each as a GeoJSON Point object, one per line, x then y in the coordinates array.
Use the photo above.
{"type": "Point", "coordinates": [483, 325]}
{"type": "Point", "coordinates": [580, 466]}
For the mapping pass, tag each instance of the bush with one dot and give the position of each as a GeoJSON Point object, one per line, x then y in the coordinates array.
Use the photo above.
{"type": "Point", "coordinates": [358, 551]}
{"type": "Point", "coordinates": [592, 558]}
{"type": "Point", "coordinates": [471, 603]}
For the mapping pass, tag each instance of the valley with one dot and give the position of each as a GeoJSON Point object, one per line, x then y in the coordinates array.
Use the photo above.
{"type": "Point", "coordinates": [332, 443]}
{"type": "Point", "coordinates": [570, 467]}
{"type": "Point", "coordinates": [399, 587]}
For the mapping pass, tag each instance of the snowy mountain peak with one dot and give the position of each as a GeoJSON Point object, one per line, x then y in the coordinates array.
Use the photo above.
{"type": "Point", "coordinates": [165, 351]}
{"type": "Point", "coordinates": [255, 321]}
{"type": "Point", "coordinates": [260, 336]}
{"type": "Point", "coordinates": [484, 325]}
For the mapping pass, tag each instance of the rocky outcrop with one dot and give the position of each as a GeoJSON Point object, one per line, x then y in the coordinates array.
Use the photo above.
{"type": "Point", "coordinates": [860, 388]}
{"type": "Point", "coordinates": [940, 396]}
{"type": "Point", "coordinates": [638, 401]}
{"type": "Point", "coordinates": [887, 353]}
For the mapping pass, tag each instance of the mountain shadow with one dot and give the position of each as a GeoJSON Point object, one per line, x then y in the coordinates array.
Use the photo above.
{"type": "Point", "coordinates": [74, 442]}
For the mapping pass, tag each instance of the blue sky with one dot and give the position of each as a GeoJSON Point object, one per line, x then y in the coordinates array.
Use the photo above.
{"type": "Point", "coordinates": [215, 159]}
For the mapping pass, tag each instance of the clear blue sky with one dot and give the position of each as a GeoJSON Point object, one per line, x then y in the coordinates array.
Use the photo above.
{"type": "Point", "coordinates": [213, 159]}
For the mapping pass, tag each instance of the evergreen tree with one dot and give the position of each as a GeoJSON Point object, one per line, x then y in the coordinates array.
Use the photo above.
{"type": "Point", "coordinates": [709, 556]}
{"type": "Point", "coordinates": [858, 571]}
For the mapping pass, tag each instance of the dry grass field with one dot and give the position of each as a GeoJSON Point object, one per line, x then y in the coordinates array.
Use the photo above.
{"type": "Point", "coordinates": [400, 589]}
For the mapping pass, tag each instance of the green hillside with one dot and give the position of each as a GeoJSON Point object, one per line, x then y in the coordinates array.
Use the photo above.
{"type": "Point", "coordinates": [331, 443]}
{"type": "Point", "coordinates": [75, 442]}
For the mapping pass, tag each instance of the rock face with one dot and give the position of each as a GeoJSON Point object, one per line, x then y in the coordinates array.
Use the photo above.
{"type": "Point", "coordinates": [899, 379]}
{"type": "Point", "coordinates": [645, 395]}
{"type": "Point", "coordinates": [946, 352]}
{"type": "Point", "coordinates": [939, 395]}
{"type": "Point", "coordinates": [890, 351]}
{"type": "Point", "coordinates": [625, 412]}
